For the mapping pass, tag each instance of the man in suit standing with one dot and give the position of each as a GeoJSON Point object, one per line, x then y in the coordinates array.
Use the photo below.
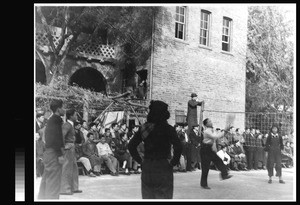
{"type": "Point", "coordinates": [192, 111]}
{"type": "Point", "coordinates": [69, 178]}
{"type": "Point", "coordinates": [53, 155]}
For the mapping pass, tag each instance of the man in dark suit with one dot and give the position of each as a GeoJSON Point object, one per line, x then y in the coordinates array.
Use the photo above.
{"type": "Point", "coordinates": [53, 155]}
{"type": "Point", "coordinates": [69, 178]}
{"type": "Point", "coordinates": [195, 146]}
{"type": "Point", "coordinates": [184, 139]}
{"type": "Point", "coordinates": [192, 111]}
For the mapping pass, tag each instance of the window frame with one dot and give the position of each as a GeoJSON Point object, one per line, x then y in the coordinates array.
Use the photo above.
{"type": "Point", "coordinates": [208, 30]}
{"type": "Point", "coordinates": [229, 35]}
{"type": "Point", "coordinates": [178, 22]}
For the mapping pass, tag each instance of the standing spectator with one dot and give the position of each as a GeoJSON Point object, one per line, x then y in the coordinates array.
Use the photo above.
{"type": "Point", "coordinates": [184, 139]}
{"type": "Point", "coordinates": [259, 150]}
{"type": "Point", "coordinates": [230, 135]}
{"type": "Point", "coordinates": [157, 166]}
{"type": "Point", "coordinates": [94, 130]}
{"type": "Point", "coordinates": [195, 146]}
{"type": "Point", "coordinates": [84, 129]}
{"type": "Point", "coordinates": [264, 141]}
{"type": "Point", "coordinates": [107, 156]}
{"type": "Point", "coordinates": [191, 116]}
{"type": "Point", "coordinates": [274, 145]}
{"type": "Point", "coordinates": [115, 135]}
{"type": "Point", "coordinates": [53, 155]}
{"type": "Point", "coordinates": [287, 154]}
{"type": "Point", "coordinates": [122, 153]}
{"type": "Point", "coordinates": [40, 148]}
{"type": "Point", "coordinates": [239, 136]}
{"type": "Point", "coordinates": [69, 177]}
{"type": "Point", "coordinates": [39, 121]}
{"type": "Point", "coordinates": [250, 144]}
{"type": "Point", "coordinates": [208, 155]}
{"type": "Point", "coordinates": [292, 147]}
{"type": "Point", "coordinates": [90, 151]}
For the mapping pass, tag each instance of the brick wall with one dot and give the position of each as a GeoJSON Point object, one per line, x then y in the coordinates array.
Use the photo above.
{"type": "Point", "coordinates": [182, 67]}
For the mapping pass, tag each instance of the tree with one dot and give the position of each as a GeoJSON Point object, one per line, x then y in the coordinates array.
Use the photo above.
{"type": "Point", "coordinates": [129, 27]}
{"type": "Point", "coordinates": [270, 57]}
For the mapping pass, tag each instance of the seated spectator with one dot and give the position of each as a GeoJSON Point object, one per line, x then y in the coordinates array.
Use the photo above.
{"type": "Point", "coordinates": [287, 154]}
{"type": "Point", "coordinates": [94, 130]}
{"type": "Point", "coordinates": [221, 142]}
{"type": "Point", "coordinates": [107, 136]}
{"type": "Point", "coordinates": [40, 148]}
{"type": "Point", "coordinates": [90, 151]}
{"type": "Point", "coordinates": [115, 135]}
{"type": "Point", "coordinates": [122, 154]}
{"type": "Point", "coordinates": [107, 156]}
{"type": "Point", "coordinates": [222, 153]}
{"type": "Point", "coordinates": [238, 157]}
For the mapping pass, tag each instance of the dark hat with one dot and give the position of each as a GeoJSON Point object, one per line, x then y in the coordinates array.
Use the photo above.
{"type": "Point", "coordinates": [194, 95]}
{"type": "Point", "coordinates": [158, 105]}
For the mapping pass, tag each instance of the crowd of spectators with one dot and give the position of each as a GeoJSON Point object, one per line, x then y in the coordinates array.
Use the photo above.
{"type": "Point", "coordinates": [105, 150]}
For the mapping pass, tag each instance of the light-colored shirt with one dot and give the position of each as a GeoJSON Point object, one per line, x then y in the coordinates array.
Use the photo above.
{"type": "Point", "coordinates": [103, 149]}
{"type": "Point", "coordinates": [209, 135]}
{"type": "Point", "coordinates": [85, 132]}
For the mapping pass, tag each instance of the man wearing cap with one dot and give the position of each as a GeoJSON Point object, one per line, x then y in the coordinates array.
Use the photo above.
{"type": "Point", "coordinates": [192, 111]}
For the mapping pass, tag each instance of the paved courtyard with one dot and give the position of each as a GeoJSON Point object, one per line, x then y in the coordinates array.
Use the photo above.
{"type": "Point", "coordinates": [244, 185]}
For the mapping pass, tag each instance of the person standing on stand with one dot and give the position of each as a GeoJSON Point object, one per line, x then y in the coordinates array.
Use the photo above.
{"type": "Point", "coordinates": [191, 116]}
{"type": "Point", "coordinates": [53, 155]}
{"type": "Point", "coordinates": [208, 154]}
{"type": "Point", "coordinates": [69, 178]}
{"type": "Point", "coordinates": [274, 145]}
{"type": "Point", "coordinates": [157, 167]}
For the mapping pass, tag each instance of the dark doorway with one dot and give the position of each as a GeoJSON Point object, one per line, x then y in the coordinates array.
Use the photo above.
{"type": "Point", "coordinates": [89, 78]}
{"type": "Point", "coordinates": [40, 73]}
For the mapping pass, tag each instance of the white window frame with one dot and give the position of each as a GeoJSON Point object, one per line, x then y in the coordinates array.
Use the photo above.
{"type": "Point", "coordinates": [180, 22]}
{"type": "Point", "coordinates": [208, 30]}
{"type": "Point", "coordinates": [229, 42]}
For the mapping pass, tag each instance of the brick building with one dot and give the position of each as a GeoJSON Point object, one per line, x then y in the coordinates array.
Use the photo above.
{"type": "Point", "coordinates": [196, 48]}
{"type": "Point", "coordinates": [206, 54]}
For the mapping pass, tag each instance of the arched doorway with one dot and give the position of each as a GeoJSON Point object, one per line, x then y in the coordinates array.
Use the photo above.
{"type": "Point", "coordinates": [89, 78]}
{"type": "Point", "coordinates": [40, 72]}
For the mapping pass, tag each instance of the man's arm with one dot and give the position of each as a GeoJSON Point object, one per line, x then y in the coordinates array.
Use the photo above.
{"type": "Point", "coordinates": [212, 135]}
{"type": "Point", "coordinates": [193, 103]}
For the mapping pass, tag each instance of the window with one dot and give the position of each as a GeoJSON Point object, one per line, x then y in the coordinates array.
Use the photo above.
{"type": "Point", "coordinates": [180, 22]}
{"type": "Point", "coordinates": [204, 27]}
{"type": "Point", "coordinates": [226, 41]}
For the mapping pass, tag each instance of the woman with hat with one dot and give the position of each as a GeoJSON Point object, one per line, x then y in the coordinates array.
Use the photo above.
{"type": "Point", "coordinates": [274, 145]}
{"type": "Point", "coordinates": [157, 165]}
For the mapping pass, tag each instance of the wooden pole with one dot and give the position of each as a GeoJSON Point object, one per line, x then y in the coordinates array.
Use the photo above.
{"type": "Point", "coordinates": [104, 111]}
{"type": "Point", "coordinates": [201, 117]}
{"type": "Point", "coordinates": [135, 114]}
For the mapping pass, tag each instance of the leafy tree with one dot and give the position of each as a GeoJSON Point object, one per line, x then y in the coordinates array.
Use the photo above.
{"type": "Point", "coordinates": [128, 27]}
{"type": "Point", "coordinates": [269, 82]}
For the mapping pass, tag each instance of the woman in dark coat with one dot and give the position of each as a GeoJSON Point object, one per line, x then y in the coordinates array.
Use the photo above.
{"type": "Point", "coordinates": [274, 145]}
{"type": "Point", "coordinates": [157, 166]}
